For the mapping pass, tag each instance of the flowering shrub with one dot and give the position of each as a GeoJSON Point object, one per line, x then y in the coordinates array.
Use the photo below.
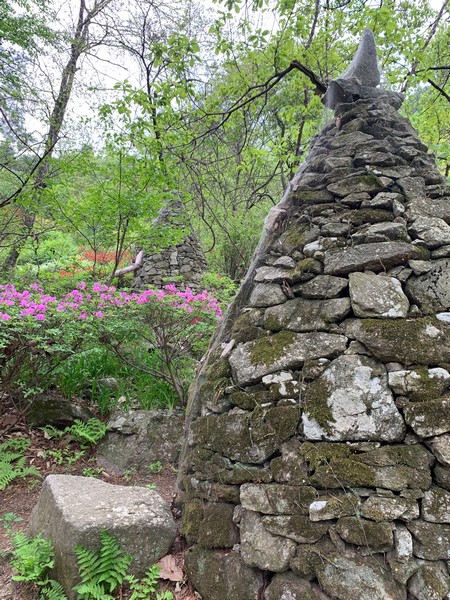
{"type": "Point", "coordinates": [159, 332]}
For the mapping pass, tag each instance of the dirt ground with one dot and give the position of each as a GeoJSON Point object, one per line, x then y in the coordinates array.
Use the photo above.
{"type": "Point", "coordinates": [21, 495]}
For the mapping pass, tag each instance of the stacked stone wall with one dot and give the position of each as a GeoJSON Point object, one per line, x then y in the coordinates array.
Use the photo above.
{"type": "Point", "coordinates": [182, 264]}
{"type": "Point", "coordinates": [317, 456]}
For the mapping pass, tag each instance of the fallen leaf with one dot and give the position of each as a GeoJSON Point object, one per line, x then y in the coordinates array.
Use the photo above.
{"type": "Point", "coordinates": [169, 569]}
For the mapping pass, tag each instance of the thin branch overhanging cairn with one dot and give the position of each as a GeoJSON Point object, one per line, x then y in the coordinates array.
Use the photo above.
{"type": "Point", "coordinates": [260, 90]}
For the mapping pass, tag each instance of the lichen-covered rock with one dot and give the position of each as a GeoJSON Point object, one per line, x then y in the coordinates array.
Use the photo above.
{"type": "Point", "coordinates": [436, 505]}
{"type": "Point", "coordinates": [222, 576]}
{"type": "Point", "coordinates": [334, 507]}
{"type": "Point", "coordinates": [407, 341]}
{"type": "Point", "coordinates": [137, 438]}
{"type": "Point", "coordinates": [376, 537]}
{"type": "Point", "coordinates": [431, 582]}
{"type": "Point", "coordinates": [259, 548]}
{"type": "Point", "coordinates": [428, 419]}
{"type": "Point", "coordinates": [303, 315]}
{"type": "Point", "coordinates": [267, 294]}
{"type": "Point", "coordinates": [431, 540]}
{"type": "Point", "coordinates": [431, 290]}
{"type": "Point", "coordinates": [284, 350]}
{"type": "Point", "coordinates": [403, 543]}
{"type": "Point", "coordinates": [355, 183]}
{"type": "Point", "coordinates": [323, 287]}
{"type": "Point", "coordinates": [246, 437]}
{"type": "Point", "coordinates": [296, 527]}
{"type": "Point", "coordinates": [274, 499]}
{"type": "Point", "coordinates": [420, 383]}
{"type": "Point", "coordinates": [351, 400]}
{"type": "Point", "coordinates": [385, 508]}
{"type": "Point", "coordinates": [433, 230]}
{"type": "Point", "coordinates": [286, 586]}
{"type": "Point", "coordinates": [376, 257]}
{"type": "Point", "coordinates": [346, 578]}
{"type": "Point", "coordinates": [377, 296]}
{"type": "Point", "coordinates": [440, 447]}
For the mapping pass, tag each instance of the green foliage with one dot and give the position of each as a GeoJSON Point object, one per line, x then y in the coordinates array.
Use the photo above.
{"type": "Point", "coordinates": [155, 467]}
{"type": "Point", "coordinates": [32, 558]}
{"type": "Point", "coordinates": [89, 432]}
{"type": "Point", "coordinates": [223, 287]}
{"type": "Point", "coordinates": [103, 571]}
{"type": "Point", "coordinates": [53, 590]}
{"type": "Point", "coordinates": [146, 587]}
{"type": "Point", "coordinates": [12, 461]}
{"type": "Point", "coordinates": [85, 432]}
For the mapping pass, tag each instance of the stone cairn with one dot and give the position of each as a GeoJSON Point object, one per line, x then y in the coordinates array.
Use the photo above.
{"type": "Point", "coordinates": [181, 264]}
{"type": "Point", "coordinates": [316, 462]}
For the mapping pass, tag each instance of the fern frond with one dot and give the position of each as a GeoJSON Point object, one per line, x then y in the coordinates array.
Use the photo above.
{"type": "Point", "coordinates": [53, 590]}
{"type": "Point", "coordinates": [7, 474]}
{"type": "Point", "coordinates": [89, 432]}
{"type": "Point", "coordinates": [92, 591]}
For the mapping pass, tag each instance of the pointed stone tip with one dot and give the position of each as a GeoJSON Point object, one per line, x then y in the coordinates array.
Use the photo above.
{"type": "Point", "coordinates": [364, 67]}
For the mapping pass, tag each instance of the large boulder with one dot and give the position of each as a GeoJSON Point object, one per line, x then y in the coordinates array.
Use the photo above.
{"type": "Point", "coordinates": [72, 511]}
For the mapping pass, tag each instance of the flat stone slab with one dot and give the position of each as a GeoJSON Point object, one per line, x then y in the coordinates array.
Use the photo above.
{"type": "Point", "coordinates": [72, 511]}
{"type": "Point", "coordinates": [375, 256]}
{"type": "Point", "coordinates": [304, 315]}
{"type": "Point", "coordinates": [408, 341]}
{"type": "Point", "coordinates": [285, 350]}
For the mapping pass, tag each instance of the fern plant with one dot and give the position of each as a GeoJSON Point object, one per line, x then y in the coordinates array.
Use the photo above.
{"type": "Point", "coordinates": [12, 461]}
{"type": "Point", "coordinates": [102, 571]}
{"type": "Point", "coordinates": [32, 558]}
{"type": "Point", "coordinates": [52, 591]}
{"type": "Point", "coordinates": [146, 587]}
{"type": "Point", "coordinates": [89, 432]}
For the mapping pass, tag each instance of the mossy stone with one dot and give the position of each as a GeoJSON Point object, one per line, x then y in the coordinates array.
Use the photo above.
{"type": "Point", "coordinates": [364, 216]}
{"type": "Point", "coordinates": [191, 520]}
{"type": "Point", "coordinates": [210, 491]}
{"type": "Point", "coordinates": [429, 419]}
{"type": "Point", "coordinates": [276, 499]}
{"type": "Point", "coordinates": [442, 475]}
{"type": "Point", "coordinates": [316, 403]}
{"type": "Point", "coordinates": [217, 529]}
{"type": "Point", "coordinates": [408, 341]}
{"type": "Point", "coordinates": [247, 437]}
{"type": "Point", "coordinates": [252, 398]}
{"type": "Point", "coordinates": [333, 466]}
{"type": "Point", "coordinates": [296, 527]}
{"type": "Point", "coordinates": [296, 236]}
{"type": "Point", "coordinates": [356, 183]}
{"type": "Point", "coordinates": [222, 576]}
{"type": "Point", "coordinates": [377, 537]}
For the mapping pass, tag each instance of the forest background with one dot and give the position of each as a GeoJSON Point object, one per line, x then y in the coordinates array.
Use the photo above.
{"type": "Point", "coordinates": [107, 107]}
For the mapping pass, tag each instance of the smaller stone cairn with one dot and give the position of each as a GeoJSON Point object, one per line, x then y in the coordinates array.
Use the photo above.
{"type": "Point", "coordinates": [181, 264]}
{"type": "Point", "coordinates": [316, 461]}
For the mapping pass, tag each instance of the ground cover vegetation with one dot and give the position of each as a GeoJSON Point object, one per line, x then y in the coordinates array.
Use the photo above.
{"type": "Point", "coordinates": [106, 109]}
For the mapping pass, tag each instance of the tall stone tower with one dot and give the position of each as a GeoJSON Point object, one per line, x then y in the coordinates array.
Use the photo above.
{"type": "Point", "coordinates": [182, 263]}
{"type": "Point", "coordinates": [317, 456]}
